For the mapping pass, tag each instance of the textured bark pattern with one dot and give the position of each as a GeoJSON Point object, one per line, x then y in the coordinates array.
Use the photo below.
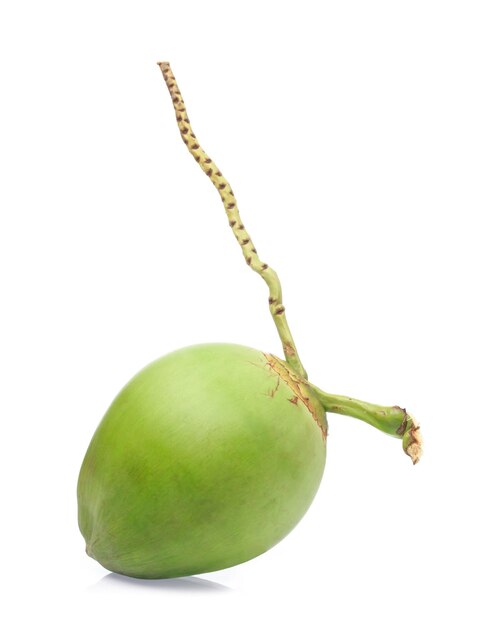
{"type": "Point", "coordinates": [301, 391]}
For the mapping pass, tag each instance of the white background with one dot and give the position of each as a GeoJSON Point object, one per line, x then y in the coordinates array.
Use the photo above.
{"type": "Point", "coordinates": [348, 131]}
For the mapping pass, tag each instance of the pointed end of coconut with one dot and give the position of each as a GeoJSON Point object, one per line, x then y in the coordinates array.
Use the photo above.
{"type": "Point", "coordinates": [89, 549]}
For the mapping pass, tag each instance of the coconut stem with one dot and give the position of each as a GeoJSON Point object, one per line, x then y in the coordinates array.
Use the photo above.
{"type": "Point", "coordinates": [227, 195]}
{"type": "Point", "coordinates": [392, 420]}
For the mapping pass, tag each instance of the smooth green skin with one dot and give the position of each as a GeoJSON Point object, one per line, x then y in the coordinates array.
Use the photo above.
{"type": "Point", "coordinates": [200, 463]}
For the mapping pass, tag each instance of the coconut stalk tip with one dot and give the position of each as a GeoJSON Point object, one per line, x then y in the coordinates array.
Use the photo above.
{"type": "Point", "coordinates": [412, 442]}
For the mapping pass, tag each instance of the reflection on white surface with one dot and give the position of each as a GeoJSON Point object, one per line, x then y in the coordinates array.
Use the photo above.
{"type": "Point", "coordinates": [186, 583]}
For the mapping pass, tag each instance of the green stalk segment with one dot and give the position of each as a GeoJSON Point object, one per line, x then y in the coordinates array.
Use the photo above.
{"type": "Point", "coordinates": [392, 420]}
{"type": "Point", "coordinates": [228, 199]}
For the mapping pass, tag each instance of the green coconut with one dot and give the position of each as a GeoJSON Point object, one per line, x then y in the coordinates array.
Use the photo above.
{"type": "Point", "coordinates": [206, 458]}
{"type": "Point", "coordinates": [213, 453]}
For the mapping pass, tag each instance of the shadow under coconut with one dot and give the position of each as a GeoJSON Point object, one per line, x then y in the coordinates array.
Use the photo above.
{"type": "Point", "coordinates": [186, 583]}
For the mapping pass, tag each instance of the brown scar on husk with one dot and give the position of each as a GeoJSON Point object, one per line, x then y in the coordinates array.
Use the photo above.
{"type": "Point", "coordinates": [297, 385]}
{"type": "Point", "coordinates": [273, 391]}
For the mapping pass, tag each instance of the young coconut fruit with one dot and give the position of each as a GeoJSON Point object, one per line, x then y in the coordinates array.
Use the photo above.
{"type": "Point", "coordinates": [212, 454]}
